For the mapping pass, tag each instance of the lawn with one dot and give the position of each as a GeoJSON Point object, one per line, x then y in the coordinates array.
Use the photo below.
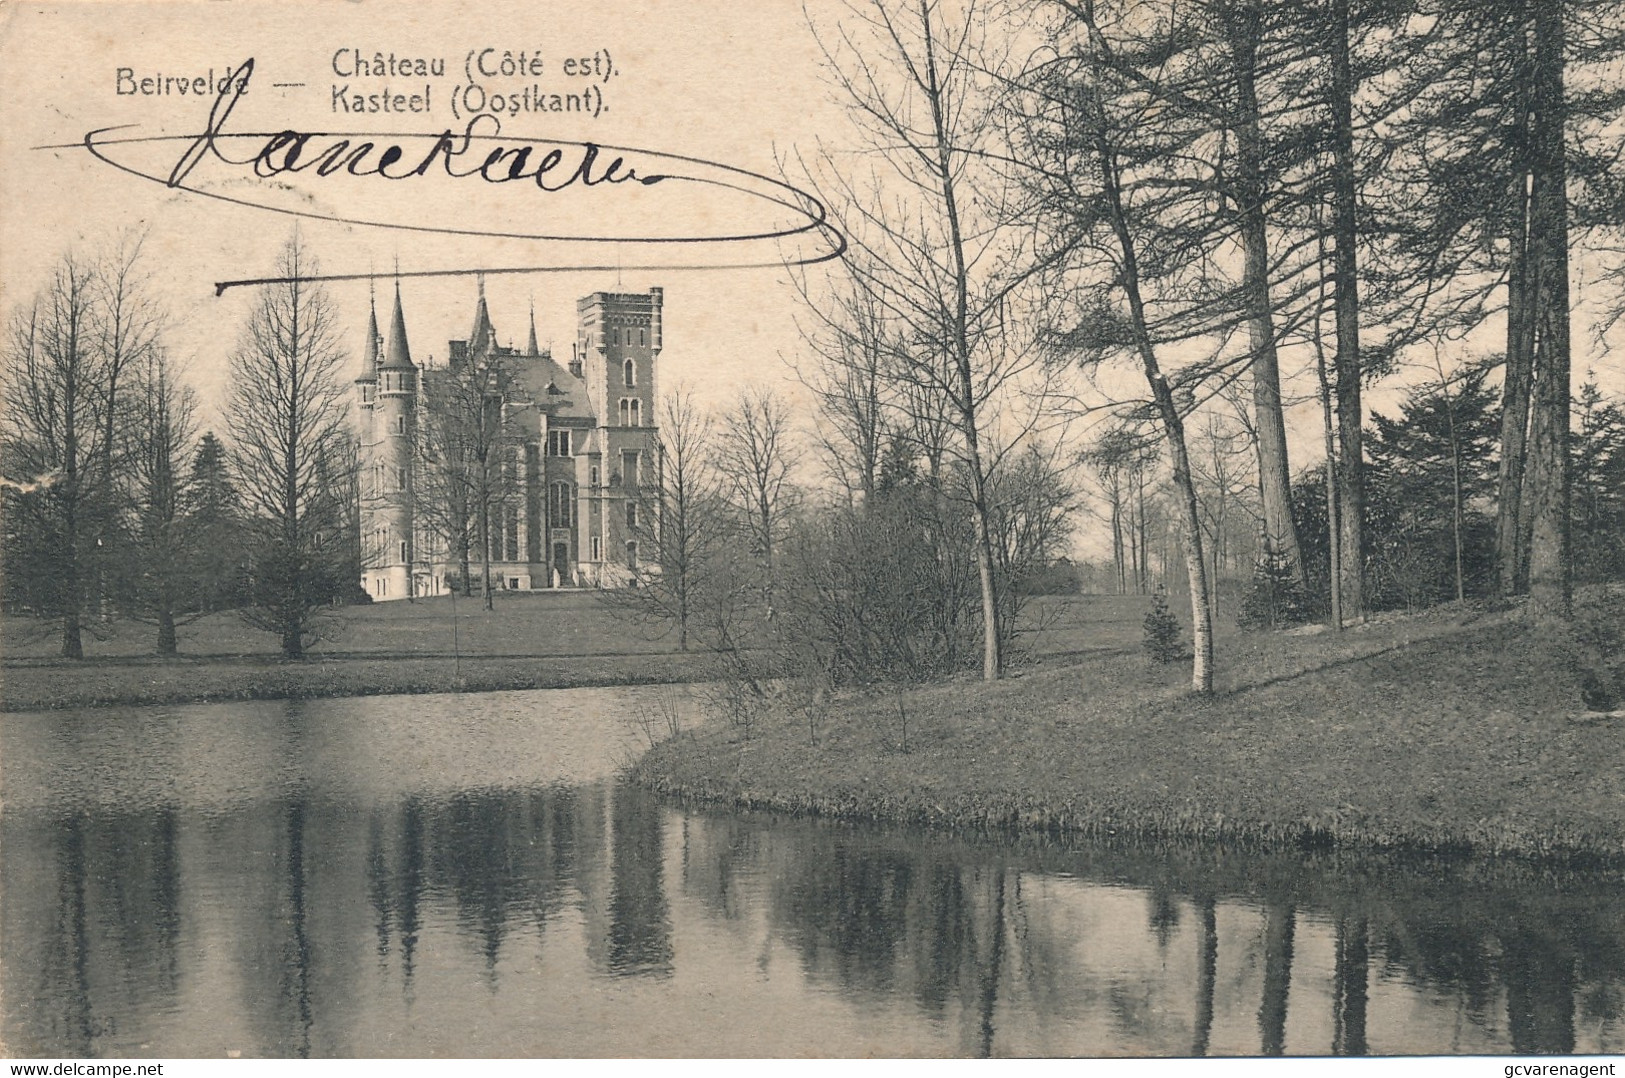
{"type": "Point", "coordinates": [1457, 728]}
{"type": "Point", "coordinates": [530, 640]}
{"type": "Point", "coordinates": [533, 640]}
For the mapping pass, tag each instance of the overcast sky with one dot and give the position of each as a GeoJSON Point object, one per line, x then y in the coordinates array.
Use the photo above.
{"type": "Point", "coordinates": [732, 83]}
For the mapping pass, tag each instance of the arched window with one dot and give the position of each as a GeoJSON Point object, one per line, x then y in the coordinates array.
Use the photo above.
{"type": "Point", "coordinates": [631, 514]}
{"type": "Point", "coordinates": [636, 412]}
{"type": "Point", "coordinates": [631, 553]}
{"type": "Point", "coordinates": [630, 371]}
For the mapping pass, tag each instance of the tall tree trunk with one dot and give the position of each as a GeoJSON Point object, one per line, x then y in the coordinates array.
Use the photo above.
{"type": "Point", "coordinates": [1117, 539]}
{"type": "Point", "coordinates": [992, 660]}
{"type": "Point", "coordinates": [1334, 534]}
{"type": "Point", "coordinates": [1173, 423]}
{"type": "Point", "coordinates": [1511, 545]}
{"type": "Point", "coordinates": [485, 534]}
{"type": "Point", "coordinates": [1274, 472]}
{"type": "Point", "coordinates": [167, 643]}
{"type": "Point", "coordinates": [1350, 471]}
{"type": "Point", "coordinates": [1547, 478]}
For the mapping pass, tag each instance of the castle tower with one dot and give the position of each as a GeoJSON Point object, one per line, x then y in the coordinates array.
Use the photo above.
{"type": "Point", "coordinates": [387, 517]}
{"type": "Point", "coordinates": [366, 384]}
{"type": "Point", "coordinates": [619, 338]}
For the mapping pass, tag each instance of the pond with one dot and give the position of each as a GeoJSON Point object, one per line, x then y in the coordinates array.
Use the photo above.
{"type": "Point", "coordinates": [465, 875]}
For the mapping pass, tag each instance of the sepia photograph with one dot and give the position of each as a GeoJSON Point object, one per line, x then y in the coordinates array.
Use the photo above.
{"type": "Point", "coordinates": [827, 529]}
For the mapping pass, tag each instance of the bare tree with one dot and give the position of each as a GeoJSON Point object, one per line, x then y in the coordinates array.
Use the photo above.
{"type": "Point", "coordinates": [682, 578]}
{"type": "Point", "coordinates": [849, 336]}
{"type": "Point", "coordinates": [753, 459]}
{"type": "Point", "coordinates": [160, 573]}
{"type": "Point", "coordinates": [127, 328]}
{"type": "Point", "coordinates": [928, 239]}
{"type": "Point", "coordinates": [287, 415]}
{"type": "Point", "coordinates": [54, 424]}
{"type": "Point", "coordinates": [462, 436]}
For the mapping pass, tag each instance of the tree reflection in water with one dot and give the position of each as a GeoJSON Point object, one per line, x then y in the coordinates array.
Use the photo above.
{"type": "Point", "coordinates": [314, 914]}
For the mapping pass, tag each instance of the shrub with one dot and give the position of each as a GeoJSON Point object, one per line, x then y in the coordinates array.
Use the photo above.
{"type": "Point", "coordinates": [1162, 631]}
{"type": "Point", "coordinates": [1275, 598]}
{"type": "Point", "coordinates": [1598, 650]}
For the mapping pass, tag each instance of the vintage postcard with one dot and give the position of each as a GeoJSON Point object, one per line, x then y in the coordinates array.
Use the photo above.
{"type": "Point", "coordinates": [926, 528]}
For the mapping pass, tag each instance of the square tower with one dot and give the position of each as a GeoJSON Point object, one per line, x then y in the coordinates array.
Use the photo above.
{"type": "Point", "coordinates": [618, 349]}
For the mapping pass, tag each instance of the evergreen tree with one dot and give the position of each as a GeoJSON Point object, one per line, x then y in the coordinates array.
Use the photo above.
{"type": "Point", "coordinates": [1276, 598]}
{"type": "Point", "coordinates": [1434, 475]}
{"type": "Point", "coordinates": [214, 514]}
{"type": "Point", "coordinates": [1599, 486]}
{"type": "Point", "coordinates": [1162, 631]}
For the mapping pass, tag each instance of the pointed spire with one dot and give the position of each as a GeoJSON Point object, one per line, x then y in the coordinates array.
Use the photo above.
{"type": "Point", "coordinates": [531, 349]}
{"type": "Point", "coordinates": [369, 355]}
{"type": "Point", "coordinates": [483, 336]}
{"type": "Point", "coordinates": [397, 354]}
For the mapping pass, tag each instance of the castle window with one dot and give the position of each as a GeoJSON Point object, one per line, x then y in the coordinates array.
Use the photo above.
{"type": "Point", "coordinates": [592, 476]}
{"type": "Point", "coordinates": [629, 467]}
{"type": "Point", "coordinates": [400, 424]}
{"type": "Point", "coordinates": [403, 550]}
{"type": "Point", "coordinates": [400, 478]}
{"type": "Point", "coordinates": [632, 554]}
{"type": "Point", "coordinates": [631, 412]}
{"type": "Point", "coordinates": [643, 336]}
{"type": "Point", "coordinates": [631, 514]}
{"type": "Point", "coordinates": [630, 371]}
{"type": "Point", "coordinates": [558, 443]}
{"type": "Point", "coordinates": [597, 548]}
{"type": "Point", "coordinates": [510, 534]}
{"type": "Point", "coordinates": [558, 504]}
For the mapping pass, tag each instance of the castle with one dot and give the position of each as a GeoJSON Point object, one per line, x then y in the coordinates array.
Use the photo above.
{"type": "Point", "coordinates": [573, 444]}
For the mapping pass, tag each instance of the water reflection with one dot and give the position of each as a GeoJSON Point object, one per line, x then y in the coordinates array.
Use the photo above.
{"type": "Point", "coordinates": [380, 912]}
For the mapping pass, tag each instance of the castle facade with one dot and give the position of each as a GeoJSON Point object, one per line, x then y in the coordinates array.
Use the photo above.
{"type": "Point", "coordinates": [566, 448]}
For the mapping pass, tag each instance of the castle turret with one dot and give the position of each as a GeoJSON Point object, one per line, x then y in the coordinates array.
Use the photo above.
{"type": "Point", "coordinates": [389, 522]}
{"type": "Point", "coordinates": [366, 381]}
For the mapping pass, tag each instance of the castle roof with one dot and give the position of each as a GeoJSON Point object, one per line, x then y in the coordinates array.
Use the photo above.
{"type": "Point", "coordinates": [553, 388]}
{"type": "Point", "coordinates": [369, 355]}
{"type": "Point", "coordinates": [483, 335]}
{"type": "Point", "coordinates": [397, 355]}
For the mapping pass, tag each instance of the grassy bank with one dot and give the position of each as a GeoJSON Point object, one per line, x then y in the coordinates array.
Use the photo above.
{"type": "Point", "coordinates": [557, 640]}
{"type": "Point", "coordinates": [537, 640]}
{"type": "Point", "coordinates": [1453, 730]}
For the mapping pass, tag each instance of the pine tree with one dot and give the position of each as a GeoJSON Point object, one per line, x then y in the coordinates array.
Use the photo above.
{"type": "Point", "coordinates": [1162, 641]}
{"type": "Point", "coordinates": [1276, 598]}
